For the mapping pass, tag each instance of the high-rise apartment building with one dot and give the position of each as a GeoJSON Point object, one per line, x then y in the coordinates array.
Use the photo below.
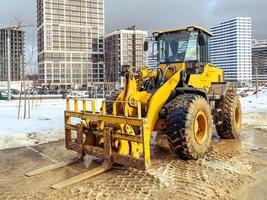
{"type": "Point", "coordinates": [259, 60]}
{"type": "Point", "coordinates": [70, 42]}
{"type": "Point", "coordinates": [231, 49]}
{"type": "Point", "coordinates": [124, 48]}
{"type": "Point", "coordinates": [16, 53]}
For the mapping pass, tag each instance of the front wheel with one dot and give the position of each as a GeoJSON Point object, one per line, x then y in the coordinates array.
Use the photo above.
{"type": "Point", "coordinates": [189, 123]}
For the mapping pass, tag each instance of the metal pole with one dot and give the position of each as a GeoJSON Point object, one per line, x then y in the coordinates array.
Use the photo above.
{"type": "Point", "coordinates": [25, 103]}
{"type": "Point", "coordinates": [9, 62]}
{"type": "Point", "coordinates": [257, 86]}
{"type": "Point", "coordinates": [20, 99]}
{"type": "Point", "coordinates": [29, 103]}
{"type": "Point", "coordinates": [33, 91]}
{"type": "Point", "coordinates": [103, 90]}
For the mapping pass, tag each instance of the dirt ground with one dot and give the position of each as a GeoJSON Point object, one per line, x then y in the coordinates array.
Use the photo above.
{"type": "Point", "coordinates": [233, 169]}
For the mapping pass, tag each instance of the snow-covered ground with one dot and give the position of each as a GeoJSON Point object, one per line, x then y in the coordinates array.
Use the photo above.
{"type": "Point", "coordinates": [45, 125]}
{"type": "Point", "coordinates": [47, 120]}
{"type": "Point", "coordinates": [14, 84]}
{"type": "Point", "coordinates": [255, 110]}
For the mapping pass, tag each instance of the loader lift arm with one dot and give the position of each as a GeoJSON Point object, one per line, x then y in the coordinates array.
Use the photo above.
{"type": "Point", "coordinates": [104, 123]}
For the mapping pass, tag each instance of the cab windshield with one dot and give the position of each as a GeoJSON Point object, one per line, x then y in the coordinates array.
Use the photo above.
{"type": "Point", "coordinates": [178, 47]}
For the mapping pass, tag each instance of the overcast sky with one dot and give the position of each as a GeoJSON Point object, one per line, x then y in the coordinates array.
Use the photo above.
{"type": "Point", "coordinates": [157, 14]}
{"type": "Point", "coordinates": [152, 14]}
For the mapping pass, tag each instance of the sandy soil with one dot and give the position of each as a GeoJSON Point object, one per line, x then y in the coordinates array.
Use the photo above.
{"type": "Point", "coordinates": [233, 169]}
{"type": "Point", "coordinates": [255, 190]}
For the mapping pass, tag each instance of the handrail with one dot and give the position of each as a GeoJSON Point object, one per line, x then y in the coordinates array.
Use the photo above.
{"type": "Point", "coordinates": [104, 106]}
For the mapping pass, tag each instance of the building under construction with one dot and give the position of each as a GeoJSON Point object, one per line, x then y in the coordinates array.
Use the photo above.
{"type": "Point", "coordinates": [259, 61]}
{"type": "Point", "coordinates": [16, 38]}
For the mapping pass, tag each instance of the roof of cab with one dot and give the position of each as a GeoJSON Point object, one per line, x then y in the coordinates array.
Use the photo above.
{"type": "Point", "coordinates": [183, 28]}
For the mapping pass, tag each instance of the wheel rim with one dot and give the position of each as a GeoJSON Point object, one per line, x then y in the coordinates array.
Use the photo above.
{"type": "Point", "coordinates": [200, 127]}
{"type": "Point", "coordinates": [237, 116]}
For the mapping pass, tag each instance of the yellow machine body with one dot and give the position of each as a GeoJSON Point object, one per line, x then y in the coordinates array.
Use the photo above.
{"type": "Point", "coordinates": [132, 129]}
{"type": "Point", "coordinates": [179, 98]}
{"type": "Point", "coordinates": [123, 135]}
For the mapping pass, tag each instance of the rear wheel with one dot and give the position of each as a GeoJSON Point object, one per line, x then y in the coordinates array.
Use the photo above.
{"type": "Point", "coordinates": [230, 127]}
{"type": "Point", "coordinates": [189, 125]}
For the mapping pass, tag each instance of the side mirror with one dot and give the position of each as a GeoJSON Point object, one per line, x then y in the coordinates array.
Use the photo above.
{"type": "Point", "coordinates": [146, 46]}
{"type": "Point", "coordinates": [201, 39]}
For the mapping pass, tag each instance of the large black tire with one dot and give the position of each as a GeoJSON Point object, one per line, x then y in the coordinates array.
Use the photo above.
{"type": "Point", "coordinates": [113, 97]}
{"type": "Point", "coordinates": [187, 139]}
{"type": "Point", "coordinates": [230, 127]}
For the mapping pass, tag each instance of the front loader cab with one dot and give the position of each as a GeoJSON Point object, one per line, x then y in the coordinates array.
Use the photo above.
{"type": "Point", "coordinates": [188, 45]}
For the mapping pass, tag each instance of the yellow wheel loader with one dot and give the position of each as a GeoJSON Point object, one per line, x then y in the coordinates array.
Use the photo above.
{"type": "Point", "coordinates": [182, 98]}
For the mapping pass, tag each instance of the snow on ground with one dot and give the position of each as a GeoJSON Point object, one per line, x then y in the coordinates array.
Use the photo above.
{"type": "Point", "coordinates": [47, 120]}
{"type": "Point", "coordinates": [45, 125]}
{"type": "Point", "coordinates": [255, 110]}
{"type": "Point", "coordinates": [14, 84]}
{"type": "Point", "coordinates": [255, 104]}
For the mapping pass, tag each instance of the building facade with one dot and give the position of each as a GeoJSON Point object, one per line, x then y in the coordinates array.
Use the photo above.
{"type": "Point", "coordinates": [70, 42]}
{"type": "Point", "coordinates": [231, 49]}
{"type": "Point", "coordinates": [16, 54]}
{"type": "Point", "coordinates": [124, 48]}
{"type": "Point", "coordinates": [259, 60]}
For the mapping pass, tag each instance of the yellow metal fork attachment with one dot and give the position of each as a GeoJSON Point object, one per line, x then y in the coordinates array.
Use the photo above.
{"type": "Point", "coordinates": [117, 139]}
{"type": "Point", "coordinates": [125, 133]}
